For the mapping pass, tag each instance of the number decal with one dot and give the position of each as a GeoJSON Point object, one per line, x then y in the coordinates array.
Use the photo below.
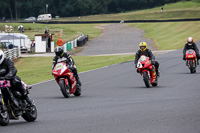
{"type": "Point", "coordinates": [59, 66]}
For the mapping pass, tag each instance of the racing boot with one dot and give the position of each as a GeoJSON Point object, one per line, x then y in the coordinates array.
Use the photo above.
{"type": "Point", "coordinates": [28, 99]}
{"type": "Point", "coordinates": [25, 95]}
{"type": "Point", "coordinates": [78, 80]}
{"type": "Point", "coordinates": [158, 72]}
{"type": "Point", "coordinates": [76, 76]}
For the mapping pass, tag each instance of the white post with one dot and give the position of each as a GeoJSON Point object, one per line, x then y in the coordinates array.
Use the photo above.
{"type": "Point", "coordinates": [19, 50]}
{"type": "Point", "coordinates": [52, 47]}
{"type": "Point", "coordinates": [75, 42]}
{"type": "Point", "coordinates": [65, 47]}
{"type": "Point", "coordinates": [72, 44]}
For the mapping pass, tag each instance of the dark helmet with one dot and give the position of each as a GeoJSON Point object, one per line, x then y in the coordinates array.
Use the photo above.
{"type": "Point", "coordinates": [59, 51]}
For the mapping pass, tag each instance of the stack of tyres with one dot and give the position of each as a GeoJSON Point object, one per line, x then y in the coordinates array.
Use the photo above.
{"type": "Point", "coordinates": [82, 40]}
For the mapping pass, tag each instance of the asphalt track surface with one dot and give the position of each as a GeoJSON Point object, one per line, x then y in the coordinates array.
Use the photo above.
{"type": "Point", "coordinates": [116, 39]}
{"type": "Point", "coordinates": [115, 100]}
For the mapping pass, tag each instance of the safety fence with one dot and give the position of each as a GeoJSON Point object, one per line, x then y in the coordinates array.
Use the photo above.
{"type": "Point", "coordinates": [13, 53]}
{"type": "Point", "coordinates": [78, 42]}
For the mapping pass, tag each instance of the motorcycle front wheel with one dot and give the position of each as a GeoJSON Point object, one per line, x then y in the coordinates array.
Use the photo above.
{"type": "Point", "coordinates": [31, 114]}
{"type": "Point", "coordinates": [146, 79]}
{"type": "Point", "coordinates": [64, 88]}
{"type": "Point", "coordinates": [192, 69]}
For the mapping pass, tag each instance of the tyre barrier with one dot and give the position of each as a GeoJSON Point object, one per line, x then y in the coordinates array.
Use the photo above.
{"type": "Point", "coordinates": [78, 42]}
{"type": "Point", "coordinates": [82, 40]}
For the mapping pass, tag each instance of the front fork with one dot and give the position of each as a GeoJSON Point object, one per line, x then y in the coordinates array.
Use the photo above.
{"type": "Point", "coordinates": [147, 73]}
{"type": "Point", "coordinates": [2, 104]}
{"type": "Point", "coordinates": [195, 62]}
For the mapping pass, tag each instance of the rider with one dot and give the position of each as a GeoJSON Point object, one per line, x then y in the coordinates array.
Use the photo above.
{"type": "Point", "coordinates": [147, 52]}
{"type": "Point", "coordinates": [190, 45]}
{"type": "Point", "coordinates": [8, 71]}
{"type": "Point", "coordinates": [62, 56]}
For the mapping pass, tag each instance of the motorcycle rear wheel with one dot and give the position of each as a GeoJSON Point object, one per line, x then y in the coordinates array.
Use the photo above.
{"type": "Point", "coordinates": [78, 91]}
{"type": "Point", "coordinates": [64, 89]}
{"type": "Point", "coordinates": [146, 79]}
{"type": "Point", "coordinates": [31, 115]}
{"type": "Point", "coordinates": [4, 117]}
{"type": "Point", "coordinates": [155, 84]}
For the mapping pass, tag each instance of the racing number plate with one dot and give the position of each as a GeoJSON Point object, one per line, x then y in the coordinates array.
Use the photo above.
{"type": "Point", "coordinates": [59, 66]}
{"type": "Point", "coordinates": [148, 62]}
{"type": "Point", "coordinates": [190, 55]}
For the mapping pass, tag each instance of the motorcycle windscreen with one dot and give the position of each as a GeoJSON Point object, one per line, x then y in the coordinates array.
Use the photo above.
{"type": "Point", "coordinates": [190, 51]}
{"type": "Point", "coordinates": [59, 69]}
{"type": "Point", "coordinates": [142, 58]}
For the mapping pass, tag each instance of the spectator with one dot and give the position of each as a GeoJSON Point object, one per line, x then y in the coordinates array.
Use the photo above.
{"type": "Point", "coordinates": [46, 31]}
{"type": "Point", "coordinates": [60, 42]}
{"type": "Point", "coordinates": [21, 28]}
{"type": "Point", "coordinates": [10, 46]}
{"type": "Point", "coordinates": [32, 43]}
{"type": "Point", "coordinates": [161, 9]}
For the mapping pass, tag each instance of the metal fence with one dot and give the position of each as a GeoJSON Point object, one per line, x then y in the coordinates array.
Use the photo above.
{"type": "Point", "coordinates": [13, 53]}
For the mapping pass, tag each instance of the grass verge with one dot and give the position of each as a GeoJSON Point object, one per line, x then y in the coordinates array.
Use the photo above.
{"type": "Point", "coordinates": [170, 35]}
{"type": "Point", "coordinates": [179, 10]}
{"type": "Point", "coordinates": [37, 69]}
{"type": "Point", "coordinates": [68, 32]}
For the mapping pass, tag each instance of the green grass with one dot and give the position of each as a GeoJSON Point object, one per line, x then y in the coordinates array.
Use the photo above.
{"type": "Point", "coordinates": [170, 35]}
{"type": "Point", "coordinates": [70, 31]}
{"type": "Point", "coordinates": [178, 10]}
{"type": "Point", "coordinates": [37, 69]}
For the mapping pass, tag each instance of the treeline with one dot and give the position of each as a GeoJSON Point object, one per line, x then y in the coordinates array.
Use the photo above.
{"type": "Point", "coordinates": [15, 9]}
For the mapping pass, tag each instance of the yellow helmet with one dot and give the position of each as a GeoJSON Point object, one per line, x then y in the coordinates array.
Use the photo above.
{"type": "Point", "coordinates": [143, 44]}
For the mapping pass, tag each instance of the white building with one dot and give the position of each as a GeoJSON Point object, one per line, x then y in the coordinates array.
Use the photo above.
{"type": "Point", "coordinates": [16, 39]}
{"type": "Point", "coordinates": [44, 43]}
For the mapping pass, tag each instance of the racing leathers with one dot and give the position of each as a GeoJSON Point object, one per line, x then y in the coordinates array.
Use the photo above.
{"type": "Point", "coordinates": [8, 71]}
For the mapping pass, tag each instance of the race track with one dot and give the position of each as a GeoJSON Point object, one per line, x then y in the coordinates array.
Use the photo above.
{"type": "Point", "coordinates": [115, 100]}
{"type": "Point", "coordinates": [116, 39]}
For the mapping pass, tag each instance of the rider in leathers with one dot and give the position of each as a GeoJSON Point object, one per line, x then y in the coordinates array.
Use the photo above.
{"type": "Point", "coordinates": [190, 45]}
{"type": "Point", "coordinates": [62, 56]}
{"type": "Point", "coordinates": [8, 71]}
{"type": "Point", "coordinates": [147, 52]}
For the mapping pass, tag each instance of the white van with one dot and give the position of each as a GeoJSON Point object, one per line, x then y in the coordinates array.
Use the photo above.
{"type": "Point", "coordinates": [44, 17]}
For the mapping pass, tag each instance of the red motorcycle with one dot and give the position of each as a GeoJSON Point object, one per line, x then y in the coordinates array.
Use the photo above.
{"type": "Point", "coordinates": [66, 80]}
{"type": "Point", "coordinates": [147, 71]}
{"type": "Point", "coordinates": [191, 60]}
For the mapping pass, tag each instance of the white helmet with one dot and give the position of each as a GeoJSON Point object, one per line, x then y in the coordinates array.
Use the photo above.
{"type": "Point", "coordinates": [1, 56]}
{"type": "Point", "coordinates": [190, 40]}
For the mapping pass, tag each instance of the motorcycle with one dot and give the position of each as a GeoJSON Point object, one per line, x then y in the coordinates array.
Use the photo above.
{"type": "Point", "coordinates": [66, 80]}
{"type": "Point", "coordinates": [12, 105]}
{"type": "Point", "coordinates": [191, 60]}
{"type": "Point", "coordinates": [147, 71]}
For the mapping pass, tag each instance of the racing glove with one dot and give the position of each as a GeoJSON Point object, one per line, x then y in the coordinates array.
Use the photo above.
{"type": "Point", "coordinates": [137, 70]}
{"type": "Point", "coordinates": [184, 57]}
